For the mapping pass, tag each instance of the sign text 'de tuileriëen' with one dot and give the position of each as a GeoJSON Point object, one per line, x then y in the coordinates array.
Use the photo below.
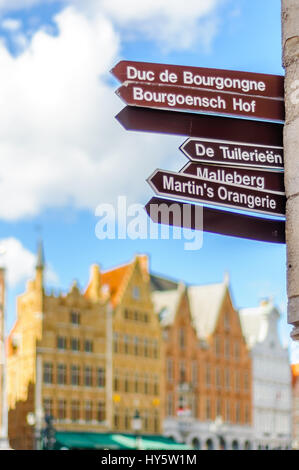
{"type": "Point", "coordinates": [231, 81]}
{"type": "Point", "coordinates": [198, 100]}
{"type": "Point", "coordinates": [177, 185]}
{"type": "Point", "coordinates": [233, 153]}
{"type": "Point", "coordinates": [252, 178]}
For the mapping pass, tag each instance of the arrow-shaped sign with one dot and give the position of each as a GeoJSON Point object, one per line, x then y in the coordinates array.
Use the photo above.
{"type": "Point", "coordinates": [197, 100]}
{"type": "Point", "coordinates": [230, 81]}
{"type": "Point", "coordinates": [199, 125]}
{"type": "Point", "coordinates": [217, 221]}
{"type": "Point", "coordinates": [177, 185]}
{"type": "Point", "coordinates": [233, 153]}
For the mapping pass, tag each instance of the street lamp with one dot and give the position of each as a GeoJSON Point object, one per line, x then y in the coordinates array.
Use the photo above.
{"type": "Point", "coordinates": [136, 426]}
{"type": "Point", "coordinates": [216, 427]}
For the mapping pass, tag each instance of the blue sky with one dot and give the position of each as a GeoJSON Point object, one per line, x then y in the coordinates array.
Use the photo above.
{"type": "Point", "coordinates": [62, 153]}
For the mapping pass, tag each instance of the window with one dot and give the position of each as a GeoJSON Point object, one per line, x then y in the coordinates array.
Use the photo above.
{"type": "Point", "coordinates": [61, 374]}
{"type": "Point", "coordinates": [75, 344]}
{"type": "Point", "coordinates": [100, 377]}
{"type": "Point", "coordinates": [87, 376]}
{"type": "Point", "coordinates": [156, 385]}
{"type": "Point", "coordinates": [208, 375]}
{"type": "Point", "coordinates": [227, 379]}
{"type": "Point", "coordinates": [61, 342]}
{"type": "Point", "coordinates": [48, 373]}
{"type": "Point", "coordinates": [116, 419]}
{"type": "Point", "coordinates": [227, 411]}
{"type": "Point", "coordinates": [237, 350]}
{"type": "Point", "coordinates": [169, 369]}
{"type": "Point", "coordinates": [237, 381]}
{"type": "Point", "coordinates": [136, 292]}
{"type": "Point", "coordinates": [238, 412]}
{"type": "Point", "coordinates": [182, 339]}
{"type": "Point", "coordinates": [218, 407]}
{"type": "Point", "coordinates": [218, 378]}
{"type": "Point", "coordinates": [75, 410]}
{"type": "Point", "coordinates": [194, 373]}
{"type": "Point", "coordinates": [116, 382]}
{"type": "Point", "coordinates": [88, 346]}
{"type": "Point", "coordinates": [75, 318]}
{"type": "Point", "coordinates": [146, 384]}
{"type": "Point", "coordinates": [88, 410]}
{"type": "Point", "coordinates": [115, 342]}
{"type": "Point", "coordinates": [127, 419]}
{"type": "Point", "coordinates": [182, 372]}
{"type": "Point", "coordinates": [126, 383]}
{"type": "Point", "coordinates": [155, 349]}
{"type": "Point", "coordinates": [145, 350]}
{"type": "Point", "coordinates": [246, 382]}
{"type": "Point", "coordinates": [227, 348]}
{"type": "Point", "coordinates": [247, 417]}
{"type": "Point", "coordinates": [75, 375]}
{"type": "Point", "coordinates": [169, 405]}
{"type": "Point", "coordinates": [136, 383]}
{"type": "Point", "coordinates": [145, 420]}
{"type": "Point", "coordinates": [208, 408]}
{"type": "Point", "coordinates": [48, 407]}
{"type": "Point", "coordinates": [156, 422]}
{"type": "Point", "coordinates": [226, 321]}
{"type": "Point", "coordinates": [61, 410]}
{"type": "Point", "coordinates": [217, 347]}
{"type": "Point", "coordinates": [136, 345]}
{"type": "Point", "coordinates": [126, 344]}
{"type": "Point", "coordinates": [126, 314]}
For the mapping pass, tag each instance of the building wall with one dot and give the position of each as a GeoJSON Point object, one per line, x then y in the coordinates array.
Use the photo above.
{"type": "Point", "coordinates": [41, 320]}
{"type": "Point", "coordinates": [138, 364]}
{"type": "Point", "coordinates": [295, 397]}
{"type": "Point", "coordinates": [217, 381]}
{"type": "Point", "coordinates": [272, 400]}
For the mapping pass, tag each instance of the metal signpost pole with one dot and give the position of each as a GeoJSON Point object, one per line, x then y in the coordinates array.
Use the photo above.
{"type": "Point", "coordinates": [290, 45]}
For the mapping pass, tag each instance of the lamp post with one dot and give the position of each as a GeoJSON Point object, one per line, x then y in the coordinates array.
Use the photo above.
{"type": "Point", "coordinates": [218, 428]}
{"type": "Point", "coordinates": [136, 426]}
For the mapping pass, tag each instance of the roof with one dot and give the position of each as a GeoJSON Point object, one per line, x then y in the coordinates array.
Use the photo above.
{"type": "Point", "coordinates": [255, 322]}
{"type": "Point", "coordinates": [159, 283]}
{"type": "Point", "coordinates": [115, 279]}
{"type": "Point", "coordinates": [166, 304]}
{"type": "Point", "coordinates": [205, 302]}
{"type": "Point", "coordinates": [295, 373]}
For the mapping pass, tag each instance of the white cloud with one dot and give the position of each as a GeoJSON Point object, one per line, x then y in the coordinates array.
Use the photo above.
{"type": "Point", "coordinates": [172, 23]}
{"type": "Point", "coordinates": [11, 24]}
{"type": "Point", "coordinates": [59, 141]}
{"type": "Point", "coordinates": [20, 262]}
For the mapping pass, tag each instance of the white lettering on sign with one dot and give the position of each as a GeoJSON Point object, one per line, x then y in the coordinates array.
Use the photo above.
{"type": "Point", "coordinates": [221, 193]}
{"type": "Point", "coordinates": [133, 74]}
{"type": "Point", "coordinates": [254, 156]}
{"type": "Point", "coordinates": [222, 83]}
{"type": "Point", "coordinates": [173, 99]}
{"type": "Point", "coordinates": [231, 177]}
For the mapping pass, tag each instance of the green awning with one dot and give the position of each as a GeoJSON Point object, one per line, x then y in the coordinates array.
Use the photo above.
{"type": "Point", "coordinates": [150, 442]}
{"type": "Point", "coordinates": [89, 440]}
{"type": "Point", "coordinates": [86, 440]}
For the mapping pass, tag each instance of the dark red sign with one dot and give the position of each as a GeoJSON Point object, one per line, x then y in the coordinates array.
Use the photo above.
{"type": "Point", "coordinates": [203, 126]}
{"type": "Point", "coordinates": [246, 83]}
{"type": "Point", "coordinates": [218, 221]}
{"type": "Point", "coordinates": [254, 179]}
{"type": "Point", "coordinates": [233, 153]}
{"type": "Point", "coordinates": [197, 100]}
{"type": "Point", "coordinates": [177, 185]}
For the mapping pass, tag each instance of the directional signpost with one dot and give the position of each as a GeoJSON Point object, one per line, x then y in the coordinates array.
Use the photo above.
{"type": "Point", "coordinates": [234, 163]}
